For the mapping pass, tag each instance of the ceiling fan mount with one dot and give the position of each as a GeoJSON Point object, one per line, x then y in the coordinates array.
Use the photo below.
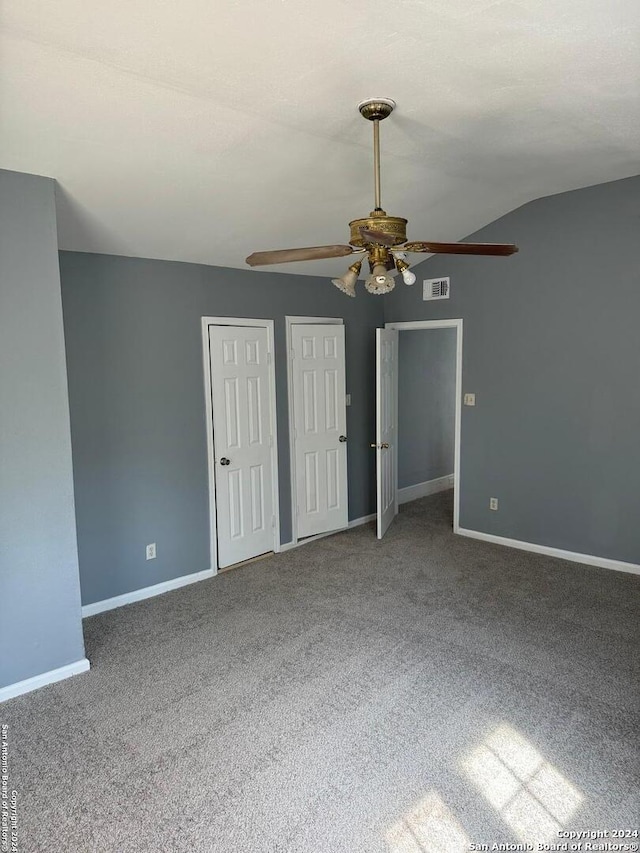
{"type": "Point", "coordinates": [381, 238]}
{"type": "Point", "coordinates": [376, 109]}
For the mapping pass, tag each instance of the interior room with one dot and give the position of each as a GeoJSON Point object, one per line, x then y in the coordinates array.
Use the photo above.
{"type": "Point", "coordinates": [319, 417]}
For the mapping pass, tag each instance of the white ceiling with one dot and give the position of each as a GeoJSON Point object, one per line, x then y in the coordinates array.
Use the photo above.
{"type": "Point", "coordinates": [202, 131]}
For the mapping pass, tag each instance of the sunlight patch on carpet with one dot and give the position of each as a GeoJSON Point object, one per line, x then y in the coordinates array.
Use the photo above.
{"type": "Point", "coordinates": [428, 827]}
{"type": "Point", "coordinates": [530, 794]}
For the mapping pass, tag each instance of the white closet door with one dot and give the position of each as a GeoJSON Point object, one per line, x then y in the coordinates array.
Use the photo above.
{"type": "Point", "coordinates": [242, 442]}
{"type": "Point", "coordinates": [320, 436]}
{"type": "Point", "coordinates": [386, 427]}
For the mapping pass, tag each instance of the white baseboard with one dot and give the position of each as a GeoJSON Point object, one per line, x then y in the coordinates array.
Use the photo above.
{"type": "Point", "coordinates": [42, 680]}
{"type": "Point", "coordinates": [429, 487]}
{"type": "Point", "coordinates": [356, 522]}
{"type": "Point", "coordinates": [145, 592]}
{"type": "Point", "coordinates": [586, 559]}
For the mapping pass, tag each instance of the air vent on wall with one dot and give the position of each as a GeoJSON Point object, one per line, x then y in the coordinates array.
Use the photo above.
{"type": "Point", "coordinates": [436, 288]}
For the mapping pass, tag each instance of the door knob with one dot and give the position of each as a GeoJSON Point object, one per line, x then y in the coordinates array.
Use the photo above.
{"type": "Point", "coordinates": [225, 461]}
{"type": "Point", "coordinates": [342, 438]}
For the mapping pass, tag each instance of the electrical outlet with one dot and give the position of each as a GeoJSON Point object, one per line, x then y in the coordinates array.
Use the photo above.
{"type": "Point", "coordinates": [469, 399]}
{"type": "Point", "coordinates": [493, 503]}
{"type": "Point", "coordinates": [151, 551]}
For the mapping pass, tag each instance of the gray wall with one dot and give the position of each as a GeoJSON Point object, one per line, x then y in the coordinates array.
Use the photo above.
{"type": "Point", "coordinates": [552, 351]}
{"type": "Point", "coordinates": [426, 404]}
{"type": "Point", "coordinates": [40, 623]}
{"type": "Point", "coordinates": [137, 404]}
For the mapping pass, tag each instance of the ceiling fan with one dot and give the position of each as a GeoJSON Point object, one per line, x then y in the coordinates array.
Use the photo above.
{"type": "Point", "coordinates": [382, 239]}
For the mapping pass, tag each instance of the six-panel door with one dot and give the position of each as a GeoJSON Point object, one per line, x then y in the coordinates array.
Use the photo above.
{"type": "Point", "coordinates": [320, 428]}
{"type": "Point", "coordinates": [242, 442]}
{"type": "Point", "coordinates": [386, 432]}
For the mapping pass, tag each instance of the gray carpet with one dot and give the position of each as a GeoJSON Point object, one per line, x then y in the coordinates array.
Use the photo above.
{"type": "Point", "coordinates": [424, 693]}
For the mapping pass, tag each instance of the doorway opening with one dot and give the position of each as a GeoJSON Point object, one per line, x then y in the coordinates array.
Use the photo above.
{"type": "Point", "coordinates": [419, 391]}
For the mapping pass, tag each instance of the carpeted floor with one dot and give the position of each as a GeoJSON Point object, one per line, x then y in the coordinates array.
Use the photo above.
{"type": "Point", "coordinates": [423, 693]}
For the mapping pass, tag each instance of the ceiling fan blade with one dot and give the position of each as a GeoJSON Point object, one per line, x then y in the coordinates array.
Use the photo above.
{"type": "Point", "coordinates": [378, 237]}
{"type": "Point", "coordinates": [461, 248]}
{"type": "Point", "coordinates": [285, 256]}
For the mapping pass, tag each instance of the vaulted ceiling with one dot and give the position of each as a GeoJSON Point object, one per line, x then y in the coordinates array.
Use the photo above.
{"type": "Point", "coordinates": [204, 130]}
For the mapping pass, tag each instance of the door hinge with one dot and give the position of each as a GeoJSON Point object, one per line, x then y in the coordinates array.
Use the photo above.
{"type": "Point", "coordinates": [273, 522]}
{"type": "Point", "coordinates": [270, 441]}
{"type": "Point", "coordinates": [292, 354]}
{"type": "Point", "coordinates": [269, 356]}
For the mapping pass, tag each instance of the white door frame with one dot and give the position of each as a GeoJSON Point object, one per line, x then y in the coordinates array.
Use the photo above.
{"type": "Point", "coordinates": [291, 321]}
{"type": "Point", "coordinates": [206, 362]}
{"type": "Point", "coordinates": [457, 325]}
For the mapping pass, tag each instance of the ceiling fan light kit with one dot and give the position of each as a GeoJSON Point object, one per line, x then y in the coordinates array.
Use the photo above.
{"type": "Point", "coordinates": [379, 282]}
{"type": "Point", "coordinates": [347, 284]}
{"type": "Point", "coordinates": [382, 239]}
{"type": "Point", "coordinates": [403, 268]}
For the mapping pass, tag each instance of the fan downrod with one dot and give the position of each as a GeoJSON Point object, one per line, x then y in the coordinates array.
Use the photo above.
{"type": "Point", "coordinates": [376, 109]}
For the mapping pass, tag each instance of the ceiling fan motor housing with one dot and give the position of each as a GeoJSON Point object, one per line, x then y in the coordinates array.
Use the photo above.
{"type": "Point", "coordinates": [378, 220]}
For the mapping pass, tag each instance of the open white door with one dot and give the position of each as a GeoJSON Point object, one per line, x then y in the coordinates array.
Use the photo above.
{"type": "Point", "coordinates": [386, 427]}
{"type": "Point", "coordinates": [243, 442]}
{"type": "Point", "coordinates": [320, 427]}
